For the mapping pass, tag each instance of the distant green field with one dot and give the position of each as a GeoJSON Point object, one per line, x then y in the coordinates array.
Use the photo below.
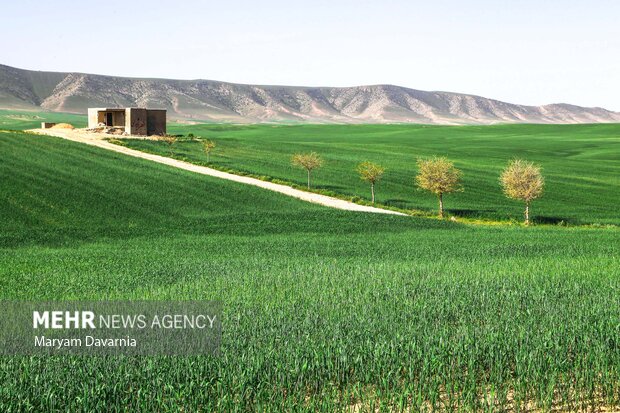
{"type": "Point", "coordinates": [581, 163]}
{"type": "Point", "coordinates": [20, 120]}
{"type": "Point", "coordinates": [323, 309]}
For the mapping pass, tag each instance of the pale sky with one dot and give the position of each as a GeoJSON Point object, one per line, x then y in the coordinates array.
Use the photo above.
{"type": "Point", "coordinates": [528, 51]}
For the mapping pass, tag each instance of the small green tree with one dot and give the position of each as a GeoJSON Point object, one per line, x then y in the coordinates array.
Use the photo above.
{"type": "Point", "coordinates": [372, 173]}
{"type": "Point", "coordinates": [308, 161]}
{"type": "Point", "coordinates": [208, 146]}
{"type": "Point", "coordinates": [170, 140]}
{"type": "Point", "coordinates": [439, 176]}
{"type": "Point", "coordinates": [524, 181]}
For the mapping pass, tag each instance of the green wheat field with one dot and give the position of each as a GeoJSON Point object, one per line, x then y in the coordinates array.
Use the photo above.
{"type": "Point", "coordinates": [324, 310]}
{"type": "Point", "coordinates": [581, 163]}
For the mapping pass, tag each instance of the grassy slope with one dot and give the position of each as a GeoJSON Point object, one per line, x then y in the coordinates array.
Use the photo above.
{"type": "Point", "coordinates": [317, 302]}
{"type": "Point", "coordinates": [581, 162]}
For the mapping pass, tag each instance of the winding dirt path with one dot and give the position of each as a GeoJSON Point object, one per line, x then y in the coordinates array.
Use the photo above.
{"type": "Point", "coordinates": [97, 140]}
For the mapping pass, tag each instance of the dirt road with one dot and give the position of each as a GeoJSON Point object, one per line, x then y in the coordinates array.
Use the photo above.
{"type": "Point", "coordinates": [88, 138]}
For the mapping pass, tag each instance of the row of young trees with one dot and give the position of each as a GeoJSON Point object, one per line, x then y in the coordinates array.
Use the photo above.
{"type": "Point", "coordinates": [521, 180]}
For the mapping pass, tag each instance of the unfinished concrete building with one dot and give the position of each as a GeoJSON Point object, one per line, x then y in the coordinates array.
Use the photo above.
{"type": "Point", "coordinates": [134, 121]}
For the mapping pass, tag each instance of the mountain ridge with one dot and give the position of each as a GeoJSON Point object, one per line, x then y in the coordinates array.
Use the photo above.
{"type": "Point", "coordinates": [211, 100]}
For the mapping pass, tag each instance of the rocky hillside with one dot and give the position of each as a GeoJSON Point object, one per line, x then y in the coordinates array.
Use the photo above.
{"type": "Point", "coordinates": [221, 101]}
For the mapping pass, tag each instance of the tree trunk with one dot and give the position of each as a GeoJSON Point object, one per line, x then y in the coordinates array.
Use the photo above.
{"type": "Point", "coordinates": [440, 205]}
{"type": "Point", "coordinates": [527, 213]}
{"type": "Point", "coordinates": [372, 191]}
{"type": "Point", "coordinates": [308, 178]}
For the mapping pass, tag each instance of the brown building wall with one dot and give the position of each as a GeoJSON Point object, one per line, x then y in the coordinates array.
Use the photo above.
{"type": "Point", "coordinates": [135, 121]}
{"type": "Point", "coordinates": [118, 118]}
{"type": "Point", "coordinates": [156, 122]}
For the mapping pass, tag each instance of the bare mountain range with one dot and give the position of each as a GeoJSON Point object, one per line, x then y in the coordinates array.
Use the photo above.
{"type": "Point", "coordinates": [229, 102]}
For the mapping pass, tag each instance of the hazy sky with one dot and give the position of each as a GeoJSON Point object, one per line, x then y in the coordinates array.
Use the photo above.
{"type": "Point", "coordinates": [526, 51]}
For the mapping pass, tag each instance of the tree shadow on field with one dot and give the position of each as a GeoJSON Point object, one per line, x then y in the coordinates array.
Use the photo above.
{"type": "Point", "coordinates": [398, 203]}
{"type": "Point", "coordinates": [217, 163]}
{"type": "Point", "coordinates": [555, 220]}
{"type": "Point", "coordinates": [472, 213]}
{"type": "Point", "coordinates": [332, 187]}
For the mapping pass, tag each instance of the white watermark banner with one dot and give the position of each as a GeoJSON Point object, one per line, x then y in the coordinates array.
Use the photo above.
{"type": "Point", "coordinates": [110, 327]}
